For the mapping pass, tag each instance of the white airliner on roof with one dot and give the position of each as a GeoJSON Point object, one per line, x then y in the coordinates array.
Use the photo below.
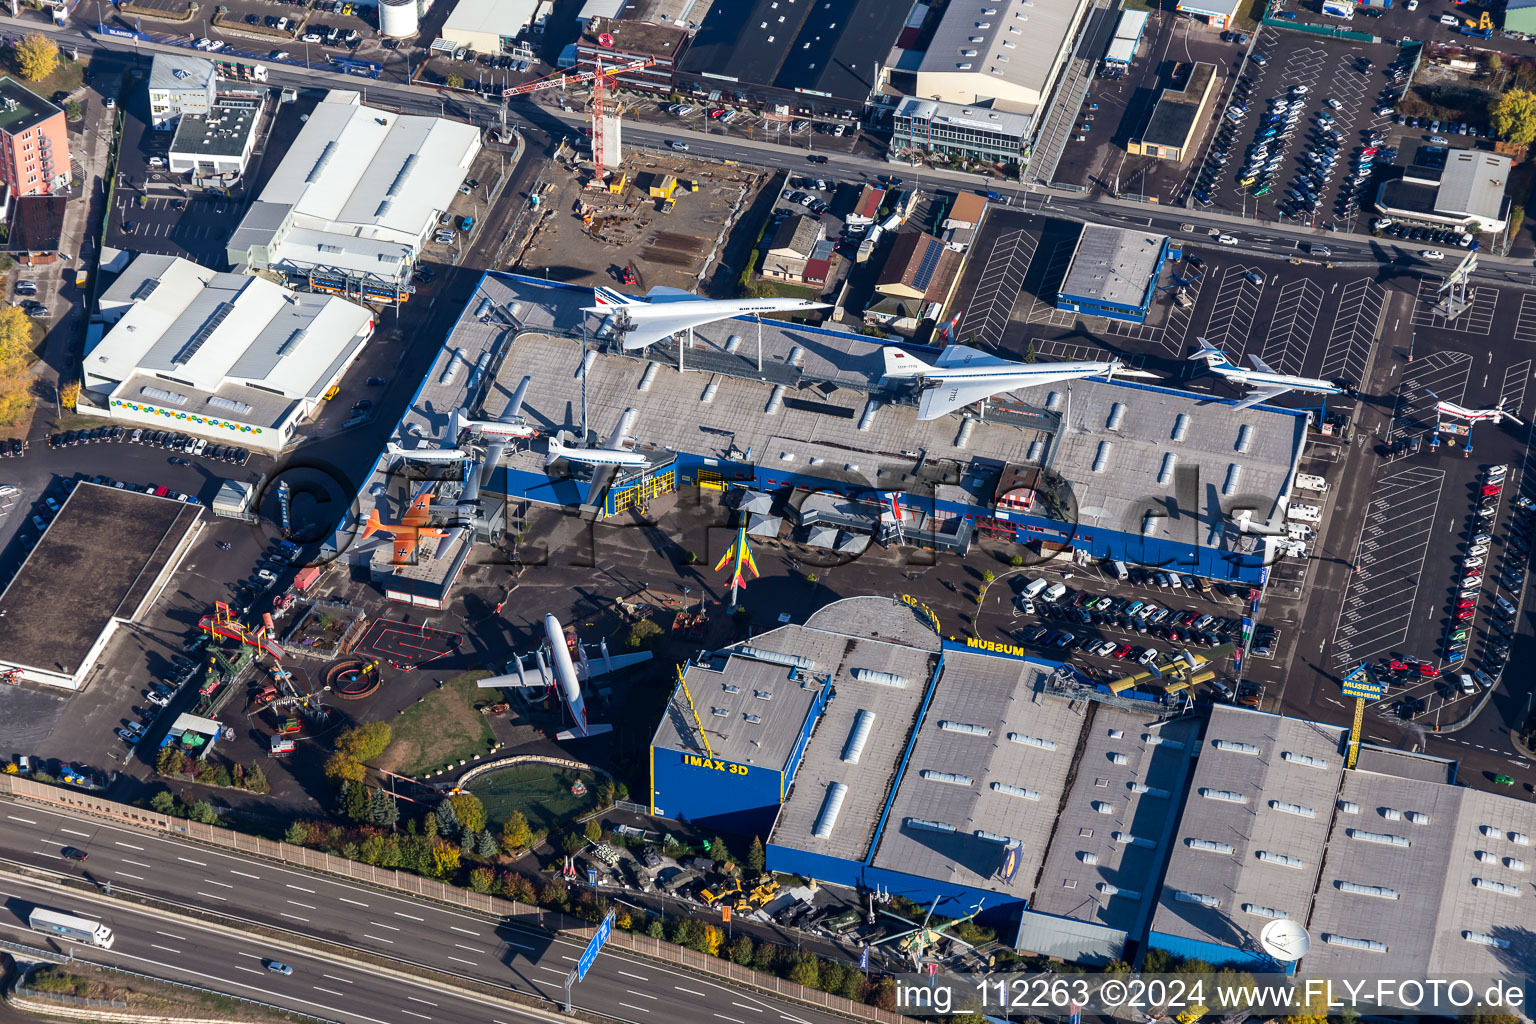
{"type": "Point", "coordinates": [665, 311]}
{"type": "Point", "coordinates": [962, 375]}
{"type": "Point", "coordinates": [1267, 383]}
{"type": "Point", "coordinates": [612, 453]}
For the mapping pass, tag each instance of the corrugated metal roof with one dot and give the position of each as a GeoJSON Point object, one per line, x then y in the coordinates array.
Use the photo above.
{"type": "Point", "coordinates": [1473, 183]}
{"type": "Point", "coordinates": [1072, 941]}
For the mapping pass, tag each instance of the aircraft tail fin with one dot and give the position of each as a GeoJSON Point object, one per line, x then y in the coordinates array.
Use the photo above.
{"type": "Point", "coordinates": [372, 525]}
{"type": "Point", "coordinates": [1210, 354]}
{"type": "Point", "coordinates": [610, 297]}
{"type": "Point", "coordinates": [556, 447]}
{"type": "Point", "coordinates": [899, 363]}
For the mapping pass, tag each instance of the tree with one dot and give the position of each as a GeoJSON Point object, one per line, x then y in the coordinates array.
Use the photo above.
{"type": "Point", "coordinates": [355, 801]}
{"type": "Point", "coordinates": [364, 742]}
{"type": "Point", "coordinates": [572, 841]}
{"type": "Point", "coordinates": [445, 858]}
{"type": "Point", "coordinates": [297, 834]}
{"type": "Point", "coordinates": [1514, 116]}
{"type": "Point", "coordinates": [487, 846]}
{"type": "Point", "coordinates": [203, 811]}
{"type": "Point", "coordinates": [756, 856]}
{"type": "Point", "coordinates": [343, 767]}
{"type": "Point", "coordinates": [454, 81]}
{"type": "Point", "coordinates": [717, 850]}
{"type": "Point", "coordinates": [515, 834]}
{"type": "Point", "coordinates": [467, 843]}
{"type": "Point", "coordinates": [447, 819]}
{"type": "Point", "coordinates": [741, 950]}
{"type": "Point", "coordinates": [37, 56]}
{"type": "Point", "coordinates": [163, 802]}
{"type": "Point", "coordinates": [1493, 62]}
{"type": "Point", "coordinates": [642, 634]}
{"type": "Point", "coordinates": [169, 761]}
{"type": "Point", "coordinates": [385, 810]}
{"type": "Point", "coordinates": [593, 831]}
{"type": "Point", "coordinates": [469, 811]}
{"type": "Point", "coordinates": [74, 110]}
{"type": "Point", "coordinates": [710, 940]}
{"type": "Point", "coordinates": [69, 394]}
{"type": "Point", "coordinates": [428, 826]}
{"type": "Point", "coordinates": [482, 880]}
{"type": "Point", "coordinates": [806, 971]}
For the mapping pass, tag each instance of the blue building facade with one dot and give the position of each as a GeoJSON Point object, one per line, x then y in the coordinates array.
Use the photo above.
{"type": "Point", "coordinates": [1130, 312]}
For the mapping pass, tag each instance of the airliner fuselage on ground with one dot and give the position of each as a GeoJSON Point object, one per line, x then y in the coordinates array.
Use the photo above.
{"type": "Point", "coordinates": [1267, 384]}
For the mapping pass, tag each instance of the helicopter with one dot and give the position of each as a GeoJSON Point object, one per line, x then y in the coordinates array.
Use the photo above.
{"type": "Point", "coordinates": [920, 938]}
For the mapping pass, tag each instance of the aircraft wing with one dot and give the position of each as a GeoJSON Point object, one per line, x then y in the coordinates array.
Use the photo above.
{"type": "Point", "coordinates": [419, 512]}
{"type": "Point", "coordinates": [1259, 364]}
{"type": "Point", "coordinates": [946, 396]}
{"type": "Point", "coordinates": [964, 355]}
{"type": "Point", "coordinates": [596, 667]}
{"type": "Point", "coordinates": [1262, 395]}
{"type": "Point", "coordinates": [515, 407]}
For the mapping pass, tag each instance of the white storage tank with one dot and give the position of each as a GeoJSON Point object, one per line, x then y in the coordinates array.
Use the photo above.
{"type": "Point", "coordinates": [398, 18]}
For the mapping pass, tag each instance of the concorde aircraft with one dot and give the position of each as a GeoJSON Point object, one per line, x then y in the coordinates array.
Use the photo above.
{"type": "Point", "coordinates": [665, 311]}
{"type": "Point", "coordinates": [612, 453]}
{"type": "Point", "coordinates": [962, 375]}
{"type": "Point", "coordinates": [1267, 382]}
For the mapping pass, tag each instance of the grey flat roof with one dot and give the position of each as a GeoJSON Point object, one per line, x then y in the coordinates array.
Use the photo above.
{"type": "Point", "coordinates": [105, 549]}
{"type": "Point", "coordinates": [222, 132]}
{"type": "Point", "coordinates": [163, 67]}
{"type": "Point", "coordinates": [894, 709]}
{"type": "Point", "coordinates": [1157, 756]}
{"type": "Point", "coordinates": [1019, 45]}
{"type": "Point", "coordinates": [1176, 110]}
{"type": "Point", "coordinates": [1473, 183]}
{"type": "Point", "coordinates": [1239, 879]}
{"type": "Point", "coordinates": [1000, 695]}
{"type": "Point", "coordinates": [1113, 264]}
{"type": "Point", "coordinates": [31, 109]}
{"type": "Point", "coordinates": [730, 688]}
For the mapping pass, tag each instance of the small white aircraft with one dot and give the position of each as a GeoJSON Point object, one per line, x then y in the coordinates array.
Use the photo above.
{"type": "Point", "coordinates": [1268, 383]}
{"type": "Point", "coordinates": [1461, 412]}
{"type": "Point", "coordinates": [963, 375]}
{"type": "Point", "coordinates": [612, 453]}
{"type": "Point", "coordinates": [665, 311]}
{"type": "Point", "coordinates": [426, 454]}
{"type": "Point", "coordinates": [509, 426]}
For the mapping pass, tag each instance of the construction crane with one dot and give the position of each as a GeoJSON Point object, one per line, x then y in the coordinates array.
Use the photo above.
{"type": "Point", "coordinates": [599, 76]}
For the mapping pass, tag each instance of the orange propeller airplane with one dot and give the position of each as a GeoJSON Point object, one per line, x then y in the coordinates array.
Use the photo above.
{"type": "Point", "coordinates": [409, 532]}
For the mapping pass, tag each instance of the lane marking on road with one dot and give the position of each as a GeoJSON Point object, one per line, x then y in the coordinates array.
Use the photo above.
{"type": "Point", "coordinates": [744, 1006]}
{"type": "Point", "coordinates": [466, 931]}
{"type": "Point", "coordinates": [26, 821]}
{"type": "Point", "coordinates": [329, 991]}
{"type": "Point", "coordinates": [642, 1009]}
{"type": "Point", "coordinates": [412, 917]}
{"type": "Point", "coordinates": [461, 960]}
{"type": "Point", "coordinates": [514, 945]}
{"type": "Point", "coordinates": [306, 906]}
{"type": "Point", "coordinates": [413, 1013]}
{"type": "Point", "coordinates": [247, 970]}
{"type": "Point", "coordinates": [335, 978]}
{"type": "Point", "coordinates": [355, 903]}
{"type": "Point", "coordinates": [172, 935]}
{"type": "Point", "coordinates": [137, 863]}
{"type": "Point", "coordinates": [472, 949]}
{"type": "Point", "coordinates": [375, 938]}
{"type": "Point", "coordinates": [689, 991]}
{"type": "Point", "coordinates": [642, 995]}
{"type": "Point", "coordinates": [168, 949]}
{"type": "Point", "coordinates": [126, 874]}
{"type": "Point", "coordinates": [293, 917]}
{"type": "Point", "coordinates": [733, 1020]}
{"type": "Point", "coordinates": [637, 977]}
{"type": "Point", "coordinates": [300, 888]}
{"type": "Point", "coordinates": [211, 896]}
{"type": "Point", "coordinates": [426, 1002]}
{"type": "Point", "coordinates": [381, 924]}
{"type": "Point", "coordinates": [244, 874]}
{"type": "Point", "coordinates": [72, 832]}
{"type": "Point", "coordinates": [209, 881]}
{"type": "Point", "coordinates": [570, 958]}
{"type": "Point", "coordinates": [551, 970]}
{"type": "Point", "coordinates": [189, 860]}
{"type": "Point", "coordinates": [129, 845]}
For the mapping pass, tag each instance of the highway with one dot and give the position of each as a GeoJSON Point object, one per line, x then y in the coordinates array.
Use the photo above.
{"type": "Point", "coordinates": [413, 933]}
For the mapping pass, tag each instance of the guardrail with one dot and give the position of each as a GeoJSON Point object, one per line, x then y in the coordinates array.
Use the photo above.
{"type": "Point", "coordinates": [425, 888]}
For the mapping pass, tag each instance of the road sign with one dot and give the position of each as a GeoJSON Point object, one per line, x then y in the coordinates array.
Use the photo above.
{"type": "Point", "coordinates": [590, 953]}
{"type": "Point", "coordinates": [592, 877]}
{"type": "Point", "coordinates": [1362, 683]}
{"type": "Point", "coordinates": [725, 915]}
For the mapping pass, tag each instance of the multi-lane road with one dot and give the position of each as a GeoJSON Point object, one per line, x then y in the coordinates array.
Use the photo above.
{"type": "Point", "coordinates": [415, 934]}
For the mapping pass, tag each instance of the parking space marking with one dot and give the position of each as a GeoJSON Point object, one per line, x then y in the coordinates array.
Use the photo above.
{"type": "Point", "coordinates": [1237, 299]}
{"type": "Point", "coordinates": [1476, 320]}
{"type": "Point", "coordinates": [1525, 319]}
{"type": "Point", "coordinates": [1041, 311]}
{"type": "Point", "coordinates": [1354, 330]}
{"type": "Point", "coordinates": [1285, 346]}
{"type": "Point", "coordinates": [1512, 390]}
{"type": "Point", "coordinates": [1393, 546]}
{"type": "Point", "coordinates": [998, 287]}
{"type": "Point", "coordinates": [1067, 351]}
{"type": "Point", "coordinates": [1444, 373]}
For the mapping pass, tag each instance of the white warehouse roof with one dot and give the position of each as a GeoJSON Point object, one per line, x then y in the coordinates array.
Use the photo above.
{"type": "Point", "coordinates": [358, 188]}
{"type": "Point", "coordinates": [222, 340]}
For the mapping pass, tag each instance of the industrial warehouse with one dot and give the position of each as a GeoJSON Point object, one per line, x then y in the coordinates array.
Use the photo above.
{"type": "Point", "coordinates": [878, 754]}
{"type": "Point", "coordinates": [1098, 469]}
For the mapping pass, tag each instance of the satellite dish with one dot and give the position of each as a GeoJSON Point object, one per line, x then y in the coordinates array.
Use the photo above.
{"type": "Point", "coordinates": [605, 39]}
{"type": "Point", "coordinates": [1285, 940]}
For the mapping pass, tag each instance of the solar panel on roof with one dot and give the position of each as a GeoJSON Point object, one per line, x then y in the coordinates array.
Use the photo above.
{"type": "Point", "coordinates": [146, 288]}
{"type": "Point", "coordinates": [929, 264]}
{"type": "Point", "coordinates": [203, 334]}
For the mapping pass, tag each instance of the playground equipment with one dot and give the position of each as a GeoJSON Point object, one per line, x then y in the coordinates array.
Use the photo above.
{"type": "Point", "coordinates": [353, 678]}
{"type": "Point", "coordinates": [223, 623]}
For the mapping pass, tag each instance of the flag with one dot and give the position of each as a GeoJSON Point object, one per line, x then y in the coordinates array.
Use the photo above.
{"type": "Point", "coordinates": [1074, 1013]}
{"type": "Point", "coordinates": [864, 959]}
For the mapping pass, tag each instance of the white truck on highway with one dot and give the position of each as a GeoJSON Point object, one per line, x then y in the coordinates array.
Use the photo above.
{"type": "Point", "coordinates": [70, 926]}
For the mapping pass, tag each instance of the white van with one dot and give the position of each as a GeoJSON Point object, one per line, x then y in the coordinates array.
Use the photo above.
{"type": "Point", "coordinates": [1119, 569]}
{"type": "Point", "coordinates": [1055, 592]}
{"type": "Point", "coordinates": [1033, 588]}
{"type": "Point", "coordinates": [1449, 20]}
{"type": "Point", "coordinates": [1467, 685]}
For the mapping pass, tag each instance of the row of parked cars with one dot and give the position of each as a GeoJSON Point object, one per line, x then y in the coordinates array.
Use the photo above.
{"type": "Point", "coordinates": [15, 448]}
{"type": "Point", "coordinates": [167, 439]}
{"type": "Point", "coordinates": [1407, 233]}
{"type": "Point", "coordinates": [1184, 627]}
{"type": "Point", "coordinates": [158, 696]}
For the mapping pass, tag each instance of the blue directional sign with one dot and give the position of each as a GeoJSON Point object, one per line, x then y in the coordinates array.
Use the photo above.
{"type": "Point", "coordinates": [1362, 683]}
{"type": "Point", "coordinates": [590, 953]}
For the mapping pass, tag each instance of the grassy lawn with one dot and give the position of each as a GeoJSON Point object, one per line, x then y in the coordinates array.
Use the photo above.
{"type": "Point", "coordinates": [1249, 15]}
{"type": "Point", "coordinates": [147, 998]}
{"type": "Point", "coordinates": [442, 728]}
{"type": "Point", "coordinates": [66, 78]}
{"type": "Point", "coordinates": [541, 791]}
{"type": "Point", "coordinates": [794, 291]}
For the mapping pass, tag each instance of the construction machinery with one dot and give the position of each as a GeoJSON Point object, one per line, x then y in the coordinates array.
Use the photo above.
{"type": "Point", "coordinates": [715, 898]}
{"type": "Point", "coordinates": [599, 74]}
{"type": "Point", "coordinates": [1482, 27]}
{"type": "Point", "coordinates": [617, 186]}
